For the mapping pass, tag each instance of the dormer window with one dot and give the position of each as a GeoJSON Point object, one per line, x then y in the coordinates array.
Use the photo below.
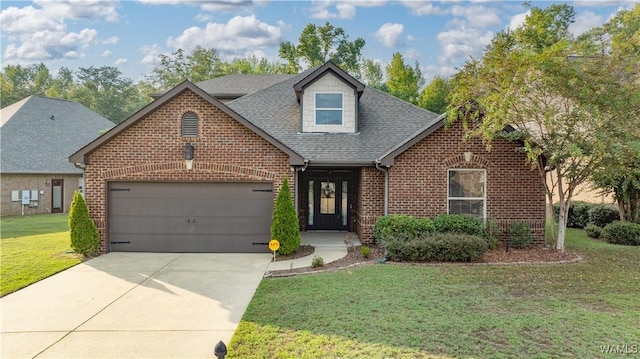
{"type": "Point", "coordinates": [328, 108]}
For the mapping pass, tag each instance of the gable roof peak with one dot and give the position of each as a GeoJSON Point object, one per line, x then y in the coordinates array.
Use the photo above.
{"type": "Point", "coordinates": [320, 71]}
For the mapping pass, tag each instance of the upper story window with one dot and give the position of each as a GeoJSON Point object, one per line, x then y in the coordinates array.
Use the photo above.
{"type": "Point", "coordinates": [328, 108]}
{"type": "Point", "coordinates": [467, 192]}
{"type": "Point", "coordinates": [189, 125]}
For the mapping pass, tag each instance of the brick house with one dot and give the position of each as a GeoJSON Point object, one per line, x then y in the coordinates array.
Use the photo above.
{"type": "Point", "coordinates": [198, 169]}
{"type": "Point", "coordinates": [37, 136]}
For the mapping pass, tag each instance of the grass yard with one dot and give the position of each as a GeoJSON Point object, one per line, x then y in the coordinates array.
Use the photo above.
{"type": "Point", "coordinates": [33, 248]}
{"type": "Point", "coordinates": [588, 309]}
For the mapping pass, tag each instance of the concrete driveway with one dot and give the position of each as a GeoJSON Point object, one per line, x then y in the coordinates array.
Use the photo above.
{"type": "Point", "coordinates": [132, 305]}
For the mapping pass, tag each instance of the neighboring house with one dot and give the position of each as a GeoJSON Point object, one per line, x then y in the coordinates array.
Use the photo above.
{"type": "Point", "coordinates": [189, 173]}
{"type": "Point", "coordinates": [37, 136]}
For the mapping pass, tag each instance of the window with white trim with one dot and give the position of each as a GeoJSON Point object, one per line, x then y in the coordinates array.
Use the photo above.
{"type": "Point", "coordinates": [328, 108]}
{"type": "Point", "coordinates": [189, 125]}
{"type": "Point", "coordinates": [467, 192]}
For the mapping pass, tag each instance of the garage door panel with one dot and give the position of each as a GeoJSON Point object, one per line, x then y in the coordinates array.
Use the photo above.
{"type": "Point", "coordinates": [190, 217]}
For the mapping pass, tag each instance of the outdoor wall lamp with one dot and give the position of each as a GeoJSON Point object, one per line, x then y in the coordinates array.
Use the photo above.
{"type": "Point", "coordinates": [188, 155]}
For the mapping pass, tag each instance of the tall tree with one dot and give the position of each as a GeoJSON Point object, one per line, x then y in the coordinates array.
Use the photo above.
{"type": "Point", "coordinates": [563, 111]}
{"type": "Point", "coordinates": [617, 45]}
{"type": "Point", "coordinates": [371, 74]}
{"type": "Point", "coordinates": [199, 65]}
{"type": "Point", "coordinates": [107, 92]}
{"type": "Point", "coordinates": [404, 81]}
{"type": "Point", "coordinates": [318, 44]}
{"type": "Point", "coordinates": [18, 82]}
{"type": "Point", "coordinates": [434, 96]}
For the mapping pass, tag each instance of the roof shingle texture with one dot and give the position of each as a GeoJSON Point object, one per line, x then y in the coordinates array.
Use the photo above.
{"type": "Point", "coordinates": [31, 141]}
{"type": "Point", "coordinates": [384, 122]}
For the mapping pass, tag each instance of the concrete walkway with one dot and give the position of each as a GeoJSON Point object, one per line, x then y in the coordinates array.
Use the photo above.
{"type": "Point", "coordinates": [144, 305]}
{"type": "Point", "coordinates": [132, 305]}
{"type": "Point", "coordinates": [330, 245]}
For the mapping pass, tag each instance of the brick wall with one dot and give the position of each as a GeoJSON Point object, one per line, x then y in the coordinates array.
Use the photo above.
{"type": "Point", "coordinates": [40, 183]}
{"type": "Point", "coordinates": [418, 180]}
{"type": "Point", "coordinates": [370, 202]}
{"type": "Point", "coordinates": [152, 150]}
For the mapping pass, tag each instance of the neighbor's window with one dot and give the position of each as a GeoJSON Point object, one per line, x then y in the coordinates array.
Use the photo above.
{"type": "Point", "coordinates": [467, 192]}
{"type": "Point", "coordinates": [328, 108]}
{"type": "Point", "coordinates": [189, 125]}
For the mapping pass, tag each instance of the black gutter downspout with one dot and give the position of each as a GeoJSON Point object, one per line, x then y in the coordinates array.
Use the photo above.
{"type": "Point", "coordinates": [386, 186]}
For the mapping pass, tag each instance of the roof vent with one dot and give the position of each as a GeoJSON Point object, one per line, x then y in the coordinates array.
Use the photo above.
{"type": "Point", "coordinates": [52, 117]}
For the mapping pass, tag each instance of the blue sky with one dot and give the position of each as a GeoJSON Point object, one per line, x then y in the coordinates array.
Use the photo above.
{"type": "Point", "coordinates": [131, 35]}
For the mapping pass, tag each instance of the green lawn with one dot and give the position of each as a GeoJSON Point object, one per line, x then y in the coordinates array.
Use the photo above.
{"type": "Point", "coordinates": [391, 311]}
{"type": "Point", "coordinates": [33, 248]}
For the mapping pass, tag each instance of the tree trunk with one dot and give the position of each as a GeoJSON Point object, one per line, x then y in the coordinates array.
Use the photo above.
{"type": "Point", "coordinates": [562, 223]}
{"type": "Point", "coordinates": [551, 219]}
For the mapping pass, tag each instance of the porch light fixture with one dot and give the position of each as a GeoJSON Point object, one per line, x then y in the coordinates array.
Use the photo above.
{"type": "Point", "coordinates": [467, 156]}
{"type": "Point", "coordinates": [188, 155]}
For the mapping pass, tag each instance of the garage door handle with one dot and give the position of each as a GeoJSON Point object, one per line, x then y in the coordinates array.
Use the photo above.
{"type": "Point", "coordinates": [191, 220]}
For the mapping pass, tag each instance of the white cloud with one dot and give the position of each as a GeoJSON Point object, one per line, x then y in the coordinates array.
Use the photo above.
{"type": "Point", "coordinates": [107, 54]}
{"type": "Point", "coordinates": [206, 5]}
{"type": "Point", "coordinates": [478, 15]}
{"type": "Point", "coordinates": [412, 54]}
{"type": "Point", "coordinates": [120, 61]}
{"type": "Point", "coordinates": [111, 41]}
{"type": "Point", "coordinates": [389, 34]}
{"type": "Point", "coordinates": [460, 41]}
{"type": "Point", "coordinates": [584, 22]}
{"type": "Point", "coordinates": [320, 9]}
{"type": "Point", "coordinates": [50, 45]}
{"type": "Point", "coordinates": [420, 8]}
{"type": "Point", "coordinates": [239, 36]}
{"type": "Point", "coordinates": [410, 38]}
{"type": "Point", "coordinates": [81, 9]}
{"type": "Point", "coordinates": [203, 17]}
{"type": "Point", "coordinates": [518, 20]}
{"type": "Point", "coordinates": [151, 54]}
{"type": "Point", "coordinates": [28, 19]}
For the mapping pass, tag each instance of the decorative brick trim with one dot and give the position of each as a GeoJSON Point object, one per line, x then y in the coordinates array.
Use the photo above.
{"type": "Point", "coordinates": [198, 167]}
{"type": "Point", "coordinates": [459, 162]}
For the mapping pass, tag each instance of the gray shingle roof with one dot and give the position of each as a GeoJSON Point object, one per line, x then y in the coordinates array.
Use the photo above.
{"type": "Point", "coordinates": [237, 85]}
{"type": "Point", "coordinates": [32, 141]}
{"type": "Point", "coordinates": [384, 122]}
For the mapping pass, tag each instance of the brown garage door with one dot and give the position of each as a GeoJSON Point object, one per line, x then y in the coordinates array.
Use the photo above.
{"type": "Point", "coordinates": [190, 217]}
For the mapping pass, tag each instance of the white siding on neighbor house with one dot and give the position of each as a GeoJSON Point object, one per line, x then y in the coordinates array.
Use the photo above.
{"type": "Point", "coordinates": [329, 83]}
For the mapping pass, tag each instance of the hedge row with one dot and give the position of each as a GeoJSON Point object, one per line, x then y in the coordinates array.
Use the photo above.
{"type": "Point", "coordinates": [583, 213]}
{"type": "Point", "coordinates": [440, 247]}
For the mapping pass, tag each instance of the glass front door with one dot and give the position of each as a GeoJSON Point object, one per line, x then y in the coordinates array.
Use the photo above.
{"type": "Point", "coordinates": [328, 203]}
{"type": "Point", "coordinates": [57, 196]}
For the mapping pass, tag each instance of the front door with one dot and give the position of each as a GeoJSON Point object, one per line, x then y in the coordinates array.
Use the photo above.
{"type": "Point", "coordinates": [328, 203]}
{"type": "Point", "coordinates": [57, 196]}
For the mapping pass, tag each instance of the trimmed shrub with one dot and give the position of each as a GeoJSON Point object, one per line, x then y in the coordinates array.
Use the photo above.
{"type": "Point", "coordinates": [365, 251]}
{"type": "Point", "coordinates": [400, 223]}
{"type": "Point", "coordinates": [440, 247]}
{"type": "Point", "coordinates": [593, 231]}
{"type": "Point", "coordinates": [519, 234]}
{"type": "Point", "coordinates": [284, 227]}
{"type": "Point", "coordinates": [457, 223]}
{"type": "Point", "coordinates": [618, 232]}
{"type": "Point", "coordinates": [85, 238]}
{"type": "Point", "coordinates": [317, 262]}
{"type": "Point", "coordinates": [601, 215]}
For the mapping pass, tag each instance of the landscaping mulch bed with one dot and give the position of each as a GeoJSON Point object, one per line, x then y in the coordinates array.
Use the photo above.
{"type": "Point", "coordinates": [499, 256]}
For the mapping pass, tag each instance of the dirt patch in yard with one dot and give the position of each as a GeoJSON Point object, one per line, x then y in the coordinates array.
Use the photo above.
{"type": "Point", "coordinates": [499, 256]}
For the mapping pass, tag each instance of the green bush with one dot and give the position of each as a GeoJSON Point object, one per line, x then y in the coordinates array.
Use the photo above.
{"type": "Point", "coordinates": [439, 247]}
{"type": "Point", "coordinates": [491, 232]}
{"type": "Point", "coordinates": [317, 262]}
{"type": "Point", "coordinates": [601, 215]}
{"type": "Point", "coordinates": [400, 223]}
{"type": "Point", "coordinates": [365, 251]}
{"type": "Point", "coordinates": [618, 232]}
{"type": "Point", "coordinates": [85, 238]}
{"type": "Point", "coordinates": [457, 223]}
{"type": "Point", "coordinates": [593, 231]}
{"type": "Point", "coordinates": [578, 216]}
{"type": "Point", "coordinates": [519, 234]}
{"type": "Point", "coordinates": [284, 227]}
